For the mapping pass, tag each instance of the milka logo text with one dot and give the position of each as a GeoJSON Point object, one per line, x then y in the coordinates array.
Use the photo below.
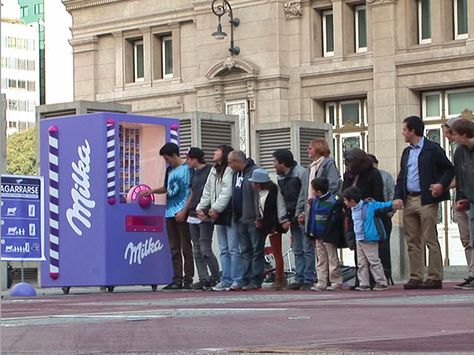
{"type": "Point", "coordinates": [141, 250]}
{"type": "Point", "coordinates": [80, 193]}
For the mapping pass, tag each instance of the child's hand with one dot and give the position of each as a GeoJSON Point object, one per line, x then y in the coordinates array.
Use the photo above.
{"type": "Point", "coordinates": [309, 201]}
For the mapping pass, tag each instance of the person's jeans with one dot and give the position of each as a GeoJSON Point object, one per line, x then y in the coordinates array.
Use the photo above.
{"type": "Point", "coordinates": [303, 250]}
{"type": "Point", "coordinates": [228, 240]}
{"type": "Point", "coordinates": [181, 248]}
{"type": "Point", "coordinates": [252, 245]}
{"type": "Point", "coordinates": [206, 261]}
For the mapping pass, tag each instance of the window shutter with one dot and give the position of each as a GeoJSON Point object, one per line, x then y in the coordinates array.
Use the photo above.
{"type": "Point", "coordinates": [213, 134]}
{"type": "Point", "coordinates": [269, 141]}
{"type": "Point", "coordinates": [306, 136]}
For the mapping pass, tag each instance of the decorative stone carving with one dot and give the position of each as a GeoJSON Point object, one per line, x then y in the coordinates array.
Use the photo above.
{"type": "Point", "coordinates": [378, 2]}
{"type": "Point", "coordinates": [293, 9]}
{"type": "Point", "coordinates": [218, 97]}
{"type": "Point", "coordinates": [251, 94]}
{"type": "Point", "coordinates": [228, 63]}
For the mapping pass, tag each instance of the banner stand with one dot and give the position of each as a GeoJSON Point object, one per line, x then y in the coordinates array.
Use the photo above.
{"type": "Point", "coordinates": [21, 224]}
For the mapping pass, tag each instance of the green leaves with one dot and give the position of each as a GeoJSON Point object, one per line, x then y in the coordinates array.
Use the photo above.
{"type": "Point", "coordinates": [22, 150]}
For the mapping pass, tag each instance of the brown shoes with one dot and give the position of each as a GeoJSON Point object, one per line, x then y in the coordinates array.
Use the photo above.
{"type": "Point", "coordinates": [413, 284]}
{"type": "Point", "coordinates": [432, 284]}
{"type": "Point", "coordinates": [429, 284]}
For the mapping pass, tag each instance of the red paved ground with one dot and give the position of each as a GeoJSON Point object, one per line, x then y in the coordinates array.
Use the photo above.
{"type": "Point", "coordinates": [261, 321]}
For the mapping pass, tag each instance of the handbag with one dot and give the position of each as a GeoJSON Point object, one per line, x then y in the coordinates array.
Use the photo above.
{"type": "Point", "coordinates": [225, 218]}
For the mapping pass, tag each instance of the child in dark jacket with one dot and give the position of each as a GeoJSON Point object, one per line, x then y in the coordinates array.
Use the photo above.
{"type": "Point", "coordinates": [368, 230]}
{"type": "Point", "coordinates": [270, 212]}
{"type": "Point", "coordinates": [325, 226]}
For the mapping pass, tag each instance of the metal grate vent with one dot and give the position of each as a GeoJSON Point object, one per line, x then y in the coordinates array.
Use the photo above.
{"type": "Point", "coordinates": [214, 133]}
{"type": "Point", "coordinates": [306, 136]}
{"type": "Point", "coordinates": [184, 136]}
{"type": "Point", "coordinates": [269, 141]}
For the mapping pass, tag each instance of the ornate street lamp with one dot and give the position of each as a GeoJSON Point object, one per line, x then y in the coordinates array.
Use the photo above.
{"type": "Point", "coordinates": [220, 8]}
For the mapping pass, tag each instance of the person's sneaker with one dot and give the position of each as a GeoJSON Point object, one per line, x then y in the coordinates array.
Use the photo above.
{"type": "Point", "coordinates": [187, 285]}
{"type": "Point", "coordinates": [318, 287]}
{"type": "Point", "coordinates": [306, 287]}
{"type": "Point", "coordinates": [251, 287]}
{"type": "Point", "coordinates": [466, 282]}
{"type": "Point", "coordinates": [362, 288]}
{"type": "Point", "coordinates": [469, 286]}
{"type": "Point", "coordinates": [430, 284]}
{"type": "Point", "coordinates": [200, 285]}
{"type": "Point", "coordinates": [220, 287]}
{"type": "Point", "coordinates": [412, 284]}
{"type": "Point", "coordinates": [380, 287]}
{"type": "Point", "coordinates": [172, 287]}
{"type": "Point", "coordinates": [235, 287]}
{"type": "Point", "coordinates": [294, 286]}
{"type": "Point", "coordinates": [334, 287]}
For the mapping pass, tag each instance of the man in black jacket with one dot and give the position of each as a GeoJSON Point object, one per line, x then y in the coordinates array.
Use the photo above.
{"type": "Point", "coordinates": [423, 181]}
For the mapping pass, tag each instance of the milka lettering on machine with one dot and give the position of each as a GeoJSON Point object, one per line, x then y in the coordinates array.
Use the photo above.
{"type": "Point", "coordinates": [80, 193]}
{"type": "Point", "coordinates": [141, 250]}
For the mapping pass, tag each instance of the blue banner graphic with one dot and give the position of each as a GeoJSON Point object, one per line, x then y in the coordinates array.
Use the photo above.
{"type": "Point", "coordinates": [21, 218]}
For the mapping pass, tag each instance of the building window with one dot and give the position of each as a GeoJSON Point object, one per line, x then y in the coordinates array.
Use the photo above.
{"type": "Point", "coordinates": [360, 13]}
{"type": "Point", "coordinates": [24, 11]}
{"type": "Point", "coordinates": [138, 63]}
{"type": "Point", "coordinates": [424, 21]}
{"type": "Point", "coordinates": [38, 9]}
{"type": "Point", "coordinates": [328, 33]}
{"type": "Point", "coordinates": [167, 56]}
{"type": "Point", "coordinates": [460, 19]}
{"type": "Point", "coordinates": [349, 121]}
{"type": "Point", "coordinates": [448, 103]}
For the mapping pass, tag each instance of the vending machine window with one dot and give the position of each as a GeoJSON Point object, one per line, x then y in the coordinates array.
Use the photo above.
{"type": "Point", "coordinates": [139, 160]}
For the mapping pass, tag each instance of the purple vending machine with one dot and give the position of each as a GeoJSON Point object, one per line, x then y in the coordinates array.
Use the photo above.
{"type": "Point", "coordinates": [99, 230]}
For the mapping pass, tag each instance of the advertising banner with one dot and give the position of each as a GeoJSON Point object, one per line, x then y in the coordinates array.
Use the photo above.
{"type": "Point", "coordinates": [21, 218]}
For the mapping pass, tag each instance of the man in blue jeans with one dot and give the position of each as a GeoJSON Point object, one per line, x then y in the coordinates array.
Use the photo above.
{"type": "Point", "coordinates": [244, 214]}
{"type": "Point", "coordinates": [289, 177]}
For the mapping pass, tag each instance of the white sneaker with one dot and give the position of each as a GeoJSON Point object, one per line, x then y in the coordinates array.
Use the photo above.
{"type": "Point", "coordinates": [318, 287]}
{"type": "Point", "coordinates": [334, 287]}
{"type": "Point", "coordinates": [220, 287]}
{"type": "Point", "coordinates": [380, 287]}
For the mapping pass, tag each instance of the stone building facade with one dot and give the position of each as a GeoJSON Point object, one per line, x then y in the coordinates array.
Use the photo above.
{"type": "Point", "coordinates": [360, 66]}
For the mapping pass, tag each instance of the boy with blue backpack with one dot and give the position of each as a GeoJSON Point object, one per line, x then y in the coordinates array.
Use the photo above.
{"type": "Point", "coordinates": [326, 228]}
{"type": "Point", "coordinates": [368, 229]}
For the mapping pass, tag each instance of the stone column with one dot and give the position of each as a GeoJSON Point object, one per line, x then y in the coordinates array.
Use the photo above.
{"type": "Point", "coordinates": [470, 19]}
{"type": "Point", "coordinates": [147, 55]}
{"type": "Point", "coordinates": [338, 20]}
{"type": "Point", "coordinates": [382, 107]}
{"type": "Point", "coordinates": [85, 67]}
{"type": "Point", "coordinates": [119, 60]}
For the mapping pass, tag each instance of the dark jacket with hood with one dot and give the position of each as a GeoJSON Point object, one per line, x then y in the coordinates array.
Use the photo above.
{"type": "Point", "coordinates": [244, 199]}
{"type": "Point", "coordinates": [464, 165]}
{"type": "Point", "coordinates": [433, 167]}
{"type": "Point", "coordinates": [270, 222]}
{"type": "Point", "coordinates": [289, 187]}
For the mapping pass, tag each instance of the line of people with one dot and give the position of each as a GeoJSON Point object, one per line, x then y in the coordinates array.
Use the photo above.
{"type": "Point", "coordinates": [323, 212]}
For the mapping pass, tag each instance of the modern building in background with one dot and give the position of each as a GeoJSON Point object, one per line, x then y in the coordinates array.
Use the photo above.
{"type": "Point", "coordinates": [360, 66]}
{"type": "Point", "coordinates": [58, 53]}
{"type": "Point", "coordinates": [20, 71]}
{"type": "Point", "coordinates": [32, 12]}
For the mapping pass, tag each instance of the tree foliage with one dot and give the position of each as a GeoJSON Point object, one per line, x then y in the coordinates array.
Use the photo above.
{"type": "Point", "coordinates": [21, 153]}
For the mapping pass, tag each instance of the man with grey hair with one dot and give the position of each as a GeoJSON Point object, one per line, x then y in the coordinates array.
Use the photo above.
{"type": "Point", "coordinates": [461, 217]}
{"type": "Point", "coordinates": [244, 213]}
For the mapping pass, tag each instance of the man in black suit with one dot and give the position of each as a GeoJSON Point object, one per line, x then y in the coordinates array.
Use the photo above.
{"type": "Point", "coordinates": [423, 181]}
